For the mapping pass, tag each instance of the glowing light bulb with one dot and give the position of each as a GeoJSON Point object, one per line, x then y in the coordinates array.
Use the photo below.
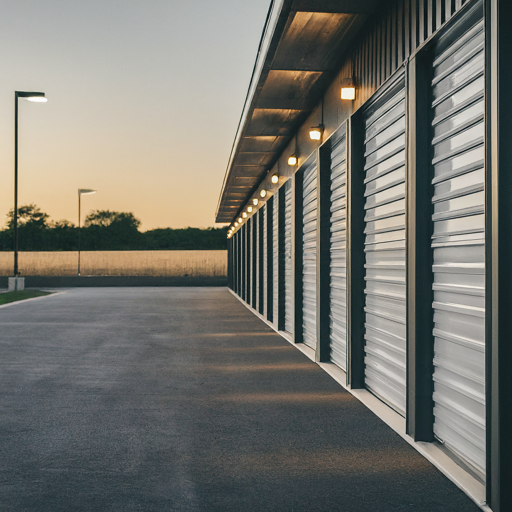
{"type": "Point", "coordinates": [263, 193]}
{"type": "Point", "coordinates": [274, 179]}
{"type": "Point", "coordinates": [316, 132]}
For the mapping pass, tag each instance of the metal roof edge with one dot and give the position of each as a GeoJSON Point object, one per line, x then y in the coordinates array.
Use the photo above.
{"type": "Point", "coordinates": [274, 26]}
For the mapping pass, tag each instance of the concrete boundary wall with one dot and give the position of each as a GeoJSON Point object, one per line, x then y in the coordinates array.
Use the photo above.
{"type": "Point", "coordinates": [115, 281]}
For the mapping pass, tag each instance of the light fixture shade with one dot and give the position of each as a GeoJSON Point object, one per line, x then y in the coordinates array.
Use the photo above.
{"type": "Point", "coordinates": [37, 99]}
{"type": "Point", "coordinates": [315, 133]}
{"type": "Point", "coordinates": [255, 202]}
{"type": "Point", "coordinates": [274, 179]}
{"type": "Point", "coordinates": [292, 160]}
{"type": "Point", "coordinates": [244, 215]}
{"type": "Point", "coordinates": [348, 89]}
{"type": "Point", "coordinates": [263, 192]}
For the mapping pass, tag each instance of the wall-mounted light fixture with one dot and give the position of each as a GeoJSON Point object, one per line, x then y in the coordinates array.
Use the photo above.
{"type": "Point", "coordinates": [244, 215]}
{"type": "Point", "coordinates": [239, 220]}
{"type": "Point", "coordinates": [236, 224]}
{"type": "Point", "coordinates": [348, 89]}
{"type": "Point", "coordinates": [249, 209]}
{"type": "Point", "coordinates": [275, 178]}
{"type": "Point", "coordinates": [315, 132]}
{"type": "Point", "coordinates": [263, 192]}
{"type": "Point", "coordinates": [293, 159]}
{"type": "Point", "coordinates": [255, 202]}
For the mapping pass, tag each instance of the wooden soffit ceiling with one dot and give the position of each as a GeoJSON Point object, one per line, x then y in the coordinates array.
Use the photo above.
{"type": "Point", "coordinates": [301, 51]}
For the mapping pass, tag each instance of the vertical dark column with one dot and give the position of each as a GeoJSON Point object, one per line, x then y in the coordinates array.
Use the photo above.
{"type": "Point", "coordinates": [254, 266]}
{"type": "Point", "coordinates": [323, 252]}
{"type": "Point", "coordinates": [229, 247]}
{"type": "Point", "coordinates": [244, 260]}
{"type": "Point", "coordinates": [420, 342]}
{"type": "Point", "coordinates": [355, 252]}
{"type": "Point", "coordinates": [239, 262]}
{"type": "Point", "coordinates": [270, 260]}
{"type": "Point", "coordinates": [297, 255]}
{"type": "Point", "coordinates": [260, 260]}
{"type": "Point", "coordinates": [281, 286]}
{"type": "Point", "coordinates": [248, 264]}
{"type": "Point", "coordinates": [498, 253]}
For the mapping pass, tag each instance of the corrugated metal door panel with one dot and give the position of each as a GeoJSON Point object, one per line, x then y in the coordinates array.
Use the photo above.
{"type": "Point", "coordinates": [309, 211]}
{"type": "Point", "coordinates": [275, 255]}
{"type": "Point", "coordinates": [338, 264]}
{"type": "Point", "coordinates": [265, 258]}
{"type": "Point", "coordinates": [288, 315]}
{"type": "Point", "coordinates": [458, 245]}
{"type": "Point", "coordinates": [385, 300]}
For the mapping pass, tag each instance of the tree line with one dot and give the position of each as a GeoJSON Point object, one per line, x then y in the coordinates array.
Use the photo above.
{"type": "Point", "coordinates": [103, 230]}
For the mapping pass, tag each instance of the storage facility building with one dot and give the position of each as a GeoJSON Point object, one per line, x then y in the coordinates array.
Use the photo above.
{"type": "Point", "coordinates": [368, 195]}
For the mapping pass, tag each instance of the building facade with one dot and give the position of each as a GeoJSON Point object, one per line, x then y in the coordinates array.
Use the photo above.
{"type": "Point", "coordinates": [376, 231]}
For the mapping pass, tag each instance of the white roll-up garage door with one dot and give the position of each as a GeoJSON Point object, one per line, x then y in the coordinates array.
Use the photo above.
{"type": "Point", "coordinates": [275, 257]}
{"type": "Point", "coordinates": [385, 291]}
{"type": "Point", "coordinates": [309, 219]}
{"type": "Point", "coordinates": [288, 293]}
{"type": "Point", "coordinates": [265, 257]}
{"type": "Point", "coordinates": [338, 264]}
{"type": "Point", "coordinates": [458, 245]}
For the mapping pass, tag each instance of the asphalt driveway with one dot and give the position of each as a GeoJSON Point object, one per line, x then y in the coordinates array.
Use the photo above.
{"type": "Point", "coordinates": [179, 399]}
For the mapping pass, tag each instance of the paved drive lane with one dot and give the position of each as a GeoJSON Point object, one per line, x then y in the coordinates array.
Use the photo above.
{"type": "Point", "coordinates": [179, 399]}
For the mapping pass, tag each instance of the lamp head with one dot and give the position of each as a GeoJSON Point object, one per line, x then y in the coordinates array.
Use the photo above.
{"type": "Point", "coordinates": [348, 89]}
{"type": "Point", "coordinates": [35, 97]}
{"type": "Point", "coordinates": [315, 133]}
{"type": "Point", "coordinates": [86, 191]}
{"type": "Point", "coordinates": [292, 160]}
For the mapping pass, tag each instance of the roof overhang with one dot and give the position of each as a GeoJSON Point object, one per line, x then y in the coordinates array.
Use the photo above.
{"type": "Point", "coordinates": [301, 50]}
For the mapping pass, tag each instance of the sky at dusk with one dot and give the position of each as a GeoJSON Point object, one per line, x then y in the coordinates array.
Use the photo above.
{"type": "Point", "coordinates": [144, 98]}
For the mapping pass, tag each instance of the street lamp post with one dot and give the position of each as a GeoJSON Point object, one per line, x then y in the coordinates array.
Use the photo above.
{"type": "Point", "coordinates": [81, 192]}
{"type": "Point", "coordinates": [37, 97]}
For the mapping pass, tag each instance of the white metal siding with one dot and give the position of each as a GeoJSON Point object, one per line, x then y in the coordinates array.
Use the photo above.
{"type": "Point", "coordinates": [310, 211]}
{"type": "Point", "coordinates": [275, 256]}
{"type": "Point", "coordinates": [265, 258]}
{"type": "Point", "coordinates": [288, 317]}
{"type": "Point", "coordinates": [338, 263]}
{"type": "Point", "coordinates": [458, 247]}
{"type": "Point", "coordinates": [385, 293]}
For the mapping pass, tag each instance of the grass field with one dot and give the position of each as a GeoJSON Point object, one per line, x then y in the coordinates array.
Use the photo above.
{"type": "Point", "coordinates": [118, 263]}
{"type": "Point", "coordinates": [7, 297]}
